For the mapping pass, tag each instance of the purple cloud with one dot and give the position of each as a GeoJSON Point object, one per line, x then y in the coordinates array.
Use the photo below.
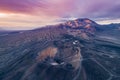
{"type": "Point", "coordinates": [63, 8]}
{"type": "Point", "coordinates": [21, 6]}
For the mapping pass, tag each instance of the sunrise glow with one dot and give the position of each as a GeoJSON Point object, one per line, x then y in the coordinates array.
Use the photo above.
{"type": "Point", "coordinates": [31, 14]}
{"type": "Point", "coordinates": [3, 15]}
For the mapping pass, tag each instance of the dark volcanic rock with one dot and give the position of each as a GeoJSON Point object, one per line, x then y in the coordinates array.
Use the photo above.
{"type": "Point", "coordinates": [71, 51]}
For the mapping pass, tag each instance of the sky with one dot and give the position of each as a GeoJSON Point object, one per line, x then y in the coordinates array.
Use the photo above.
{"type": "Point", "coordinates": [30, 14]}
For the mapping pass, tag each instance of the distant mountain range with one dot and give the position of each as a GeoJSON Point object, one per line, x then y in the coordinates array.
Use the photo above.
{"type": "Point", "coordinates": [78, 49]}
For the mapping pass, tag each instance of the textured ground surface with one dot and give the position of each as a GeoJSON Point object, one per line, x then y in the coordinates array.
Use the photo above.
{"type": "Point", "coordinates": [70, 51]}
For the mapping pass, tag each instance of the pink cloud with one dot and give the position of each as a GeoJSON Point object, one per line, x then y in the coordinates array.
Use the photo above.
{"type": "Point", "coordinates": [62, 8]}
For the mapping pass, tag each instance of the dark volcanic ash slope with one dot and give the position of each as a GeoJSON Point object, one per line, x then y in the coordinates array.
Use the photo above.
{"type": "Point", "coordinates": [75, 50]}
